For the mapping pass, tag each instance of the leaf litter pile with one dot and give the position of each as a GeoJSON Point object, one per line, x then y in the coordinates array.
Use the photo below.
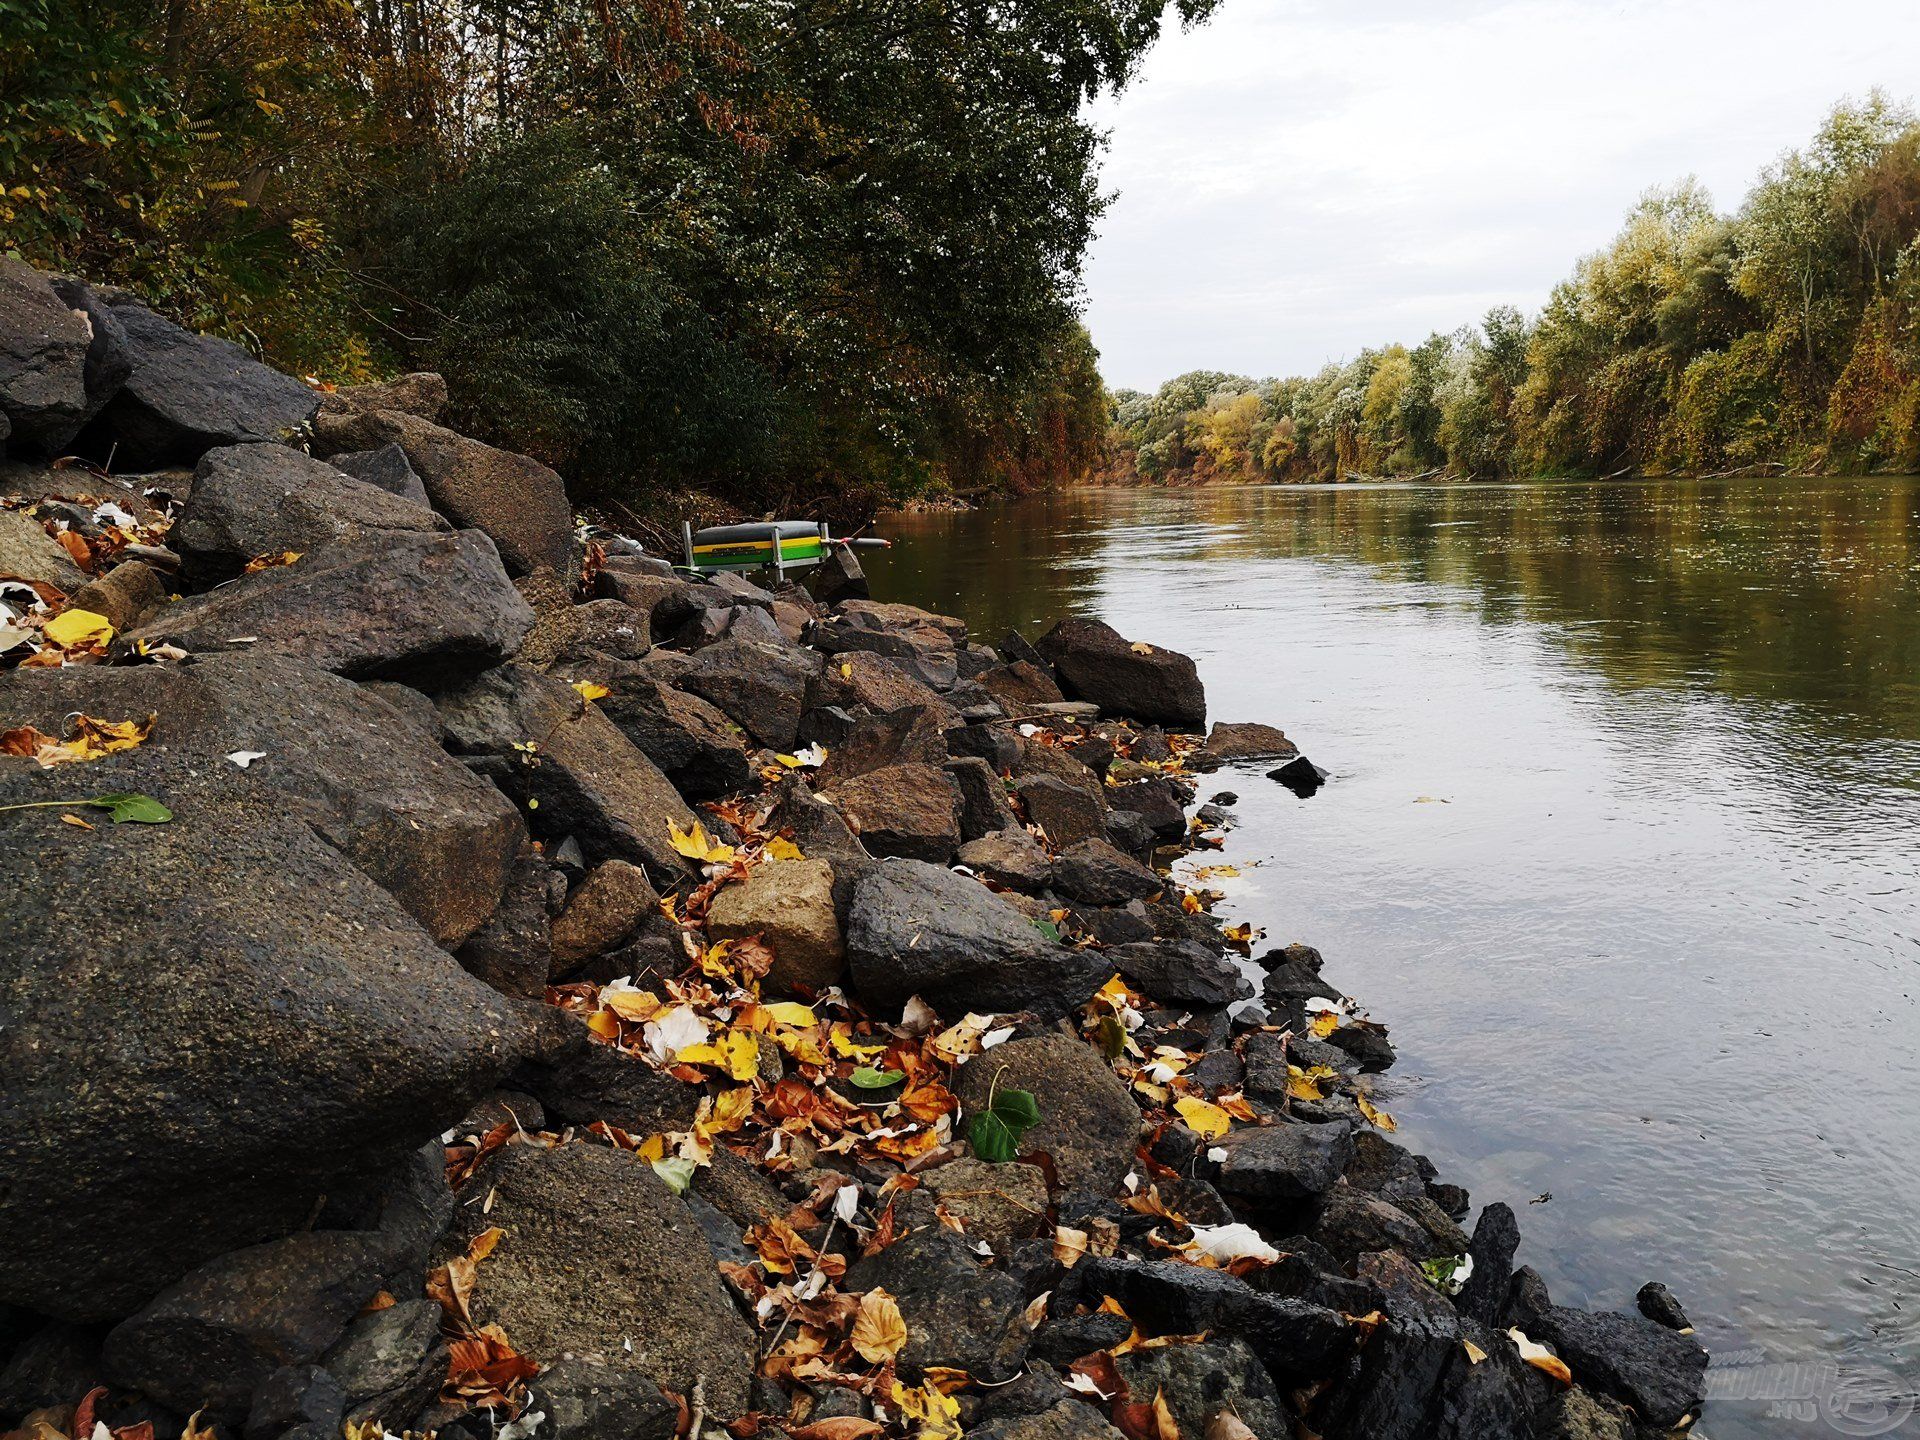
{"type": "Point", "coordinates": [860, 1095]}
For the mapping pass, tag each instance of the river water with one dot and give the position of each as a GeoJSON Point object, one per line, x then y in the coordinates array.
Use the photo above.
{"type": "Point", "coordinates": [1622, 843]}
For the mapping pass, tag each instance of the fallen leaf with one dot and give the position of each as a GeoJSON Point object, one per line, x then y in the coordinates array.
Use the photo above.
{"type": "Point", "coordinates": [1204, 1118]}
{"type": "Point", "coordinates": [1373, 1113]}
{"type": "Point", "coordinates": [590, 691]}
{"type": "Point", "coordinates": [244, 758]}
{"type": "Point", "coordinates": [879, 1331]}
{"type": "Point", "coordinates": [840, 1427]}
{"type": "Point", "coordinates": [1540, 1357]}
{"type": "Point", "coordinates": [1474, 1353]}
{"type": "Point", "coordinates": [1225, 1425]}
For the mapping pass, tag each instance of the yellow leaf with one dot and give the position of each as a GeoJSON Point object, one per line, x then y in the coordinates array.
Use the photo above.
{"type": "Point", "coordinates": [1141, 647]}
{"type": "Point", "coordinates": [731, 1110]}
{"type": "Point", "coordinates": [1190, 903]}
{"type": "Point", "coordinates": [841, 1037]}
{"type": "Point", "coordinates": [1205, 1119]}
{"type": "Point", "coordinates": [792, 1012]}
{"type": "Point", "coordinates": [589, 691]}
{"type": "Point", "coordinates": [76, 627]}
{"type": "Point", "coordinates": [1324, 1024]}
{"type": "Point", "coordinates": [696, 844]}
{"type": "Point", "coordinates": [1379, 1117]}
{"type": "Point", "coordinates": [781, 848]}
{"type": "Point", "coordinates": [935, 1416]}
{"type": "Point", "coordinates": [1474, 1353]}
{"type": "Point", "coordinates": [879, 1332]}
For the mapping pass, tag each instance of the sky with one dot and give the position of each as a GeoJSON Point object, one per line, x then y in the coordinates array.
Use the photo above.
{"type": "Point", "coordinates": [1298, 179]}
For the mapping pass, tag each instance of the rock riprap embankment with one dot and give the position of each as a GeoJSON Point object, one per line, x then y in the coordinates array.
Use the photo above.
{"type": "Point", "coordinates": [463, 976]}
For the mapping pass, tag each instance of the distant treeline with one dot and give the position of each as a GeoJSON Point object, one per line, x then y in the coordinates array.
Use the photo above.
{"type": "Point", "coordinates": [794, 252]}
{"type": "Point", "coordinates": [1786, 336]}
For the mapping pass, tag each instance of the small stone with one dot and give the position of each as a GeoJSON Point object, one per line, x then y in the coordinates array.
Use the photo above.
{"type": "Point", "coordinates": [789, 905]}
{"type": "Point", "coordinates": [602, 913]}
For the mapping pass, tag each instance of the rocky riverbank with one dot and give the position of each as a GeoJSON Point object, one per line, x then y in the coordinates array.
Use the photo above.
{"type": "Point", "coordinates": [463, 977]}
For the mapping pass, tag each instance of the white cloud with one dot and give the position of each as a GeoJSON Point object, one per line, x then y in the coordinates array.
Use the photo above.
{"type": "Point", "coordinates": [1301, 178]}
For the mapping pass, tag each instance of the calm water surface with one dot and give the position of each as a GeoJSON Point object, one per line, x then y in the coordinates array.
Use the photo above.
{"type": "Point", "coordinates": [1657, 952]}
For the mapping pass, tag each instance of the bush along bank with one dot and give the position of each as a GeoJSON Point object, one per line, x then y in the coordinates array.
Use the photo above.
{"type": "Point", "coordinates": [463, 978]}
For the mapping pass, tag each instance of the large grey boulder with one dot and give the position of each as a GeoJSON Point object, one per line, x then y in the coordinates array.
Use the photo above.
{"type": "Point", "coordinates": [210, 1339]}
{"type": "Point", "coordinates": [422, 608]}
{"type": "Point", "coordinates": [918, 929]}
{"type": "Point", "coordinates": [760, 686]}
{"type": "Point", "coordinates": [385, 467]}
{"type": "Point", "coordinates": [43, 362]}
{"type": "Point", "coordinates": [1659, 1372]}
{"type": "Point", "coordinates": [654, 1305]}
{"type": "Point", "coordinates": [958, 1313]}
{"type": "Point", "coordinates": [187, 393]}
{"type": "Point", "coordinates": [251, 500]}
{"type": "Point", "coordinates": [692, 741]}
{"type": "Point", "coordinates": [569, 768]}
{"type": "Point", "coordinates": [211, 1024]}
{"type": "Point", "coordinates": [514, 498]}
{"type": "Point", "coordinates": [319, 751]}
{"type": "Point", "coordinates": [1093, 661]}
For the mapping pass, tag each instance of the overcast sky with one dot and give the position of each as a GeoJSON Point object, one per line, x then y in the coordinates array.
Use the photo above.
{"type": "Point", "coordinates": [1298, 179]}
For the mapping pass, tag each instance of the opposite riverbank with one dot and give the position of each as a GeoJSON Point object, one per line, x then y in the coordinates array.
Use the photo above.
{"type": "Point", "coordinates": [469, 976]}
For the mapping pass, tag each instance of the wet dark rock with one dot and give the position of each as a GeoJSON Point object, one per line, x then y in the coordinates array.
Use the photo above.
{"type": "Point", "coordinates": [1495, 1239]}
{"type": "Point", "coordinates": [424, 608]}
{"type": "Point", "coordinates": [1062, 1341]}
{"type": "Point", "coordinates": [1180, 972]}
{"type": "Point", "coordinates": [292, 1396]}
{"type": "Point", "coordinates": [418, 1203]}
{"type": "Point", "coordinates": [1353, 1224]}
{"type": "Point", "coordinates": [1070, 1419]}
{"type": "Point", "coordinates": [43, 362]}
{"type": "Point", "coordinates": [983, 798]}
{"type": "Point", "coordinates": [252, 500]}
{"type": "Point", "coordinates": [1198, 1382]}
{"type": "Point", "coordinates": [919, 929]}
{"type": "Point", "coordinates": [596, 1082]}
{"type": "Point", "coordinates": [1020, 685]}
{"type": "Point", "coordinates": [581, 777]}
{"type": "Point", "coordinates": [515, 499]}
{"type": "Point", "coordinates": [602, 913]}
{"type": "Point", "coordinates": [1158, 802]}
{"type": "Point", "coordinates": [1656, 1302]}
{"type": "Point", "coordinates": [911, 735]}
{"type": "Point", "coordinates": [1576, 1414]}
{"type": "Point", "coordinates": [995, 1203]}
{"type": "Point", "coordinates": [587, 1400]}
{"type": "Point", "coordinates": [988, 742]}
{"type": "Point", "coordinates": [1116, 924]}
{"type": "Point", "coordinates": [1067, 813]}
{"type": "Point", "coordinates": [958, 1312]}
{"type": "Point", "coordinates": [1367, 1044]}
{"type": "Point", "coordinates": [212, 1338]}
{"type": "Point", "coordinates": [185, 394]}
{"type": "Point", "coordinates": [1388, 1393]}
{"type": "Point", "coordinates": [862, 682]}
{"type": "Point", "coordinates": [759, 686]}
{"type": "Point", "coordinates": [1658, 1372]}
{"type": "Point", "coordinates": [1284, 1164]}
{"type": "Point", "coordinates": [654, 1282]}
{"type": "Point", "coordinates": [908, 811]}
{"type": "Point", "coordinates": [385, 467]}
{"type": "Point", "coordinates": [391, 1363]}
{"type": "Point", "coordinates": [1294, 1340]}
{"type": "Point", "coordinates": [512, 950]}
{"type": "Point", "coordinates": [1485, 1400]}
{"type": "Point", "coordinates": [54, 1365]}
{"type": "Point", "coordinates": [1094, 873]}
{"type": "Point", "coordinates": [1010, 857]}
{"type": "Point", "coordinates": [1228, 742]}
{"type": "Point", "coordinates": [839, 577]}
{"type": "Point", "coordinates": [1130, 834]}
{"type": "Point", "coordinates": [1088, 1122]}
{"type": "Point", "coordinates": [1301, 776]}
{"type": "Point", "coordinates": [693, 742]}
{"type": "Point", "coordinates": [1094, 662]}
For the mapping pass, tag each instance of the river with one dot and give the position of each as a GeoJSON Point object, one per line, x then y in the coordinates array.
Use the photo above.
{"type": "Point", "coordinates": [1621, 842]}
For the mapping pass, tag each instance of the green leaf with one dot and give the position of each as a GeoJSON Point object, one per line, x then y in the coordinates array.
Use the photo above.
{"type": "Point", "coordinates": [1046, 927]}
{"type": "Point", "coordinates": [995, 1132]}
{"type": "Point", "coordinates": [143, 809]}
{"type": "Point", "coordinates": [868, 1078]}
{"type": "Point", "coordinates": [1111, 1036]}
{"type": "Point", "coordinates": [677, 1172]}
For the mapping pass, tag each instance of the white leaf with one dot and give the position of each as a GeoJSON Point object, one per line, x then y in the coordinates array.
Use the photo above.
{"type": "Point", "coordinates": [1226, 1243]}
{"type": "Point", "coordinates": [525, 1428]}
{"type": "Point", "coordinates": [846, 1203]}
{"type": "Point", "coordinates": [1077, 1381]}
{"type": "Point", "coordinates": [672, 1031]}
{"type": "Point", "coordinates": [1131, 1183]}
{"type": "Point", "coordinates": [244, 758]}
{"type": "Point", "coordinates": [1318, 1003]}
{"type": "Point", "coordinates": [995, 1037]}
{"type": "Point", "coordinates": [919, 1017]}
